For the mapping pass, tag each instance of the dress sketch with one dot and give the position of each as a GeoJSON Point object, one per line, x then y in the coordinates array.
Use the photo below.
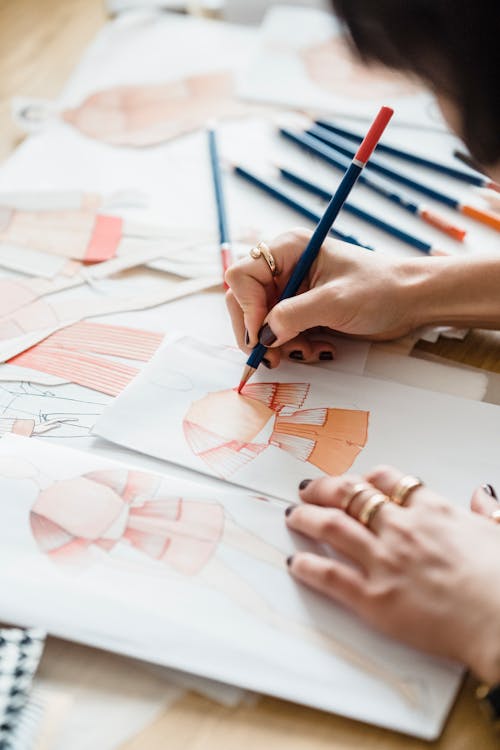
{"type": "Point", "coordinates": [79, 234]}
{"type": "Point", "coordinates": [227, 430]}
{"type": "Point", "coordinates": [330, 65]}
{"type": "Point", "coordinates": [150, 114]}
{"type": "Point", "coordinates": [104, 508]}
{"type": "Point", "coordinates": [81, 521]}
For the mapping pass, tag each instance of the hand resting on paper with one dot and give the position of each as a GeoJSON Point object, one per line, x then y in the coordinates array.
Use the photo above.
{"type": "Point", "coordinates": [356, 292]}
{"type": "Point", "coordinates": [422, 573]}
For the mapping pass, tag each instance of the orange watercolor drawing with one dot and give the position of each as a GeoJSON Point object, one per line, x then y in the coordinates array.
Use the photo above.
{"type": "Point", "coordinates": [150, 114]}
{"type": "Point", "coordinates": [77, 234]}
{"type": "Point", "coordinates": [227, 430]}
{"type": "Point", "coordinates": [332, 67]}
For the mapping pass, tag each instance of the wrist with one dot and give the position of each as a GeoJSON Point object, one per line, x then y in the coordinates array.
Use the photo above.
{"type": "Point", "coordinates": [453, 291]}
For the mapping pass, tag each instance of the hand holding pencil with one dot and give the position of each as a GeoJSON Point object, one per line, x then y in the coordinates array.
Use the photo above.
{"type": "Point", "coordinates": [323, 228]}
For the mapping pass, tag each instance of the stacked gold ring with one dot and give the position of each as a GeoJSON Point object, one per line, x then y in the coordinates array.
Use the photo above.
{"type": "Point", "coordinates": [371, 508]}
{"type": "Point", "coordinates": [356, 490]}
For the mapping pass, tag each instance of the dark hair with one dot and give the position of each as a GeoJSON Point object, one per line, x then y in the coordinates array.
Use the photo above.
{"type": "Point", "coordinates": [452, 45]}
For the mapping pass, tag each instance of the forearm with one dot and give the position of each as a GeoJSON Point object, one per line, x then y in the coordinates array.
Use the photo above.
{"type": "Point", "coordinates": [455, 291]}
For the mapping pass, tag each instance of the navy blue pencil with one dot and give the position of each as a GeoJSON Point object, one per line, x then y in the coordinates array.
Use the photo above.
{"type": "Point", "coordinates": [332, 157]}
{"type": "Point", "coordinates": [325, 224]}
{"type": "Point", "coordinates": [378, 165]}
{"type": "Point", "coordinates": [458, 174]}
{"type": "Point", "coordinates": [400, 234]}
{"type": "Point", "coordinates": [225, 246]}
{"type": "Point", "coordinates": [288, 200]}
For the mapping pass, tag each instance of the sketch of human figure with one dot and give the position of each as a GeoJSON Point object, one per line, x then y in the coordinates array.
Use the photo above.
{"type": "Point", "coordinates": [80, 234]}
{"type": "Point", "coordinates": [150, 114]}
{"type": "Point", "coordinates": [77, 521]}
{"type": "Point", "coordinates": [227, 430]}
{"type": "Point", "coordinates": [331, 66]}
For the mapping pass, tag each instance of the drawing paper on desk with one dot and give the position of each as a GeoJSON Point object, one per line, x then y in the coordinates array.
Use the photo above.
{"type": "Point", "coordinates": [150, 114]}
{"type": "Point", "coordinates": [298, 421]}
{"type": "Point", "coordinates": [166, 570]}
{"type": "Point", "coordinates": [303, 60]}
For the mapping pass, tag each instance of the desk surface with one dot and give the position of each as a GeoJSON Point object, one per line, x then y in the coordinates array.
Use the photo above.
{"type": "Point", "coordinates": [41, 42]}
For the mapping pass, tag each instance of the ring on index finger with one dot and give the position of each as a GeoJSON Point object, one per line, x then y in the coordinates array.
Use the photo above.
{"type": "Point", "coordinates": [262, 251]}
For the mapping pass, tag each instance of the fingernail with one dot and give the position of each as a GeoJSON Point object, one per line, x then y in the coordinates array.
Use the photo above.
{"type": "Point", "coordinates": [326, 356]}
{"type": "Point", "coordinates": [247, 338]}
{"type": "Point", "coordinates": [290, 510]}
{"type": "Point", "coordinates": [266, 363]}
{"type": "Point", "coordinates": [289, 561]}
{"type": "Point", "coordinates": [296, 354]}
{"type": "Point", "coordinates": [304, 484]}
{"type": "Point", "coordinates": [490, 490]}
{"type": "Point", "coordinates": [266, 336]}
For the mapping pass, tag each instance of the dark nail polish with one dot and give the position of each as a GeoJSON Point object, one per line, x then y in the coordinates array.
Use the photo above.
{"type": "Point", "coordinates": [290, 510]}
{"type": "Point", "coordinates": [490, 490]}
{"type": "Point", "coordinates": [296, 354]}
{"type": "Point", "coordinates": [326, 356]}
{"type": "Point", "coordinates": [289, 561]}
{"type": "Point", "coordinates": [266, 336]}
{"type": "Point", "coordinates": [247, 338]}
{"type": "Point", "coordinates": [266, 363]}
{"type": "Point", "coordinates": [304, 484]}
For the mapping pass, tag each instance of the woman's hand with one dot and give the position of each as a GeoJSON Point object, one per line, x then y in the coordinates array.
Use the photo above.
{"type": "Point", "coordinates": [424, 573]}
{"type": "Point", "coordinates": [348, 289]}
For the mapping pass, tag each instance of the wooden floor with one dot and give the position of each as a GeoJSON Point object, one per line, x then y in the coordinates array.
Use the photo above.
{"type": "Point", "coordinates": [41, 41]}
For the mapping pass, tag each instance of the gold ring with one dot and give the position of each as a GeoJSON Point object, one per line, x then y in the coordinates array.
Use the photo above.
{"type": "Point", "coordinates": [407, 484]}
{"type": "Point", "coordinates": [262, 251]}
{"type": "Point", "coordinates": [356, 490]}
{"type": "Point", "coordinates": [495, 516]}
{"type": "Point", "coordinates": [371, 507]}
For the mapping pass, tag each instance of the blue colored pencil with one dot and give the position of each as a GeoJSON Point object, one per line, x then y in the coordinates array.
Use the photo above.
{"type": "Point", "coordinates": [378, 165]}
{"type": "Point", "coordinates": [288, 200]}
{"type": "Point", "coordinates": [382, 148]}
{"type": "Point", "coordinates": [225, 246]}
{"type": "Point", "coordinates": [324, 225]}
{"type": "Point", "coordinates": [332, 157]}
{"type": "Point", "coordinates": [351, 208]}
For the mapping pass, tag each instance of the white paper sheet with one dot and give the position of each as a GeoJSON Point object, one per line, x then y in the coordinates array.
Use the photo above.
{"type": "Point", "coordinates": [293, 65]}
{"type": "Point", "coordinates": [165, 413]}
{"type": "Point", "coordinates": [226, 609]}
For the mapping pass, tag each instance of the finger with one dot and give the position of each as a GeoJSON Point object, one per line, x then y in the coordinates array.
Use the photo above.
{"type": "Point", "coordinates": [292, 316]}
{"type": "Point", "coordinates": [303, 349]}
{"type": "Point", "coordinates": [236, 315]}
{"type": "Point", "coordinates": [483, 501]}
{"type": "Point", "coordinates": [252, 295]}
{"type": "Point", "coordinates": [332, 492]}
{"type": "Point", "coordinates": [386, 479]}
{"type": "Point", "coordinates": [337, 580]}
{"type": "Point", "coordinates": [253, 285]}
{"type": "Point", "coordinates": [340, 531]}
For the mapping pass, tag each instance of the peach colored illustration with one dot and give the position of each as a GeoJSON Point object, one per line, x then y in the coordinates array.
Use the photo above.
{"type": "Point", "coordinates": [150, 114]}
{"type": "Point", "coordinates": [80, 521]}
{"type": "Point", "coordinates": [78, 234]}
{"type": "Point", "coordinates": [227, 430]}
{"type": "Point", "coordinates": [331, 66]}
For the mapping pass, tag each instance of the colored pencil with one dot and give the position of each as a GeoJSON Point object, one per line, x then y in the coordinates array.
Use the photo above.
{"type": "Point", "coordinates": [313, 145]}
{"type": "Point", "coordinates": [225, 245]}
{"type": "Point", "coordinates": [479, 180]}
{"type": "Point", "coordinates": [423, 245]}
{"type": "Point", "coordinates": [289, 200]}
{"type": "Point", "coordinates": [313, 247]}
{"type": "Point", "coordinates": [473, 164]}
{"type": "Point", "coordinates": [378, 165]}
